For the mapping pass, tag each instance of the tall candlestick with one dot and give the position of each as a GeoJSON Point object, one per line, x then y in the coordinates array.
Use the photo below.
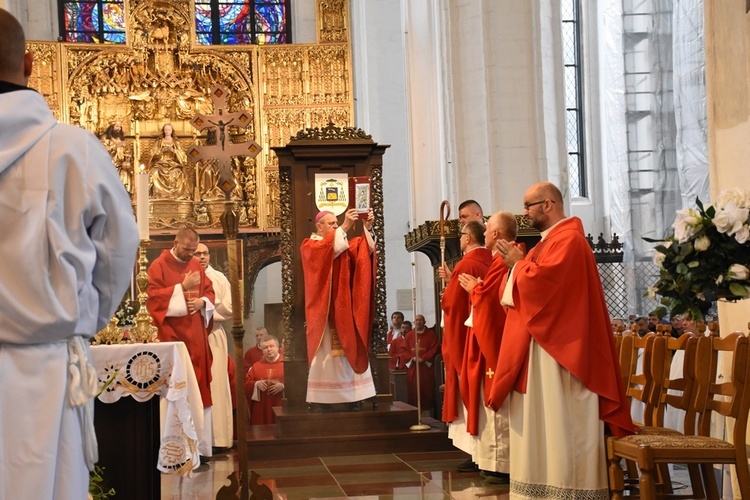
{"type": "Point", "coordinates": [141, 202]}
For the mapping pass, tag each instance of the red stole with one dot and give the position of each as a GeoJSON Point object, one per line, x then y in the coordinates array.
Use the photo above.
{"type": "Point", "coordinates": [456, 308]}
{"type": "Point", "coordinates": [339, 291]}
{"type": "Point", "coordinates": [559, 303]}
{"type": "Point", "coordinates": [163, 274]}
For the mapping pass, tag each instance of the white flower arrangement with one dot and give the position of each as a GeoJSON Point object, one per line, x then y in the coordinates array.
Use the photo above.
{"type": "Point", "coordinates": [708, 257]}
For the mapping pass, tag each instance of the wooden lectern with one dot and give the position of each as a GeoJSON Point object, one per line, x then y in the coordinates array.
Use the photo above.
{"type": "Point", "coordinates": [330, 150]}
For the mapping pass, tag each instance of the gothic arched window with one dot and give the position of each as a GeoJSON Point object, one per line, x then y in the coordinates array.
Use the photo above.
{"type": "Point", "coordinates": [233, 22]}
{"type": "Point", "coordinates": [92, 21]}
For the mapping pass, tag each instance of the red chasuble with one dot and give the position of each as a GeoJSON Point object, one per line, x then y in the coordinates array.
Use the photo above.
{"type": "Point", "coordinates": [456, 308]}
{"type": "Point", "coordinates": [429, 346]}
{"type": "Point", "coordinates": [559, 303]}
{"type": "Point", "coordinates": [261, 412]}
{"type": "Point", "coordinates": [163, 274]}
{"type": "Point", "coordinates": [339, 291]}
{"type": "Point", "coordinates": [482, 342]}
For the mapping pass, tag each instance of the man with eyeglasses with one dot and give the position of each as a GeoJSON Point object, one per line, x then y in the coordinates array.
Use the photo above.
{"type": "Point", "coordinates": [221, 394]}
{"type": "Point", "coordinates": [456, 307]}
{"type": "Point", "coordinates": [181, 302]}
{"type": "Point", "coordinates": [469, 210]}
{"type": "Point", "coordinates": [489, 429]}
{"type": "Point", "coordinates": [562, 377]}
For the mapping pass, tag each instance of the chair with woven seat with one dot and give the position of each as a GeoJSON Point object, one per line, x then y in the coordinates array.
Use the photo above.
{"type": "Point", "coordinates": [729, 399]}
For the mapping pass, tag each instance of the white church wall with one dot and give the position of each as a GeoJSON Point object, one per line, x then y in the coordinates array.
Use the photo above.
{"type": "Point", "coordinates": [39, 18]}
{"type": "Point", "coordinates": [380, 110]}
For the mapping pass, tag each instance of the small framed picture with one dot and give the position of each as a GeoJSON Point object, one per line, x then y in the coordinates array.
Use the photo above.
{"type": "Point", "coordinates": [359, 195]}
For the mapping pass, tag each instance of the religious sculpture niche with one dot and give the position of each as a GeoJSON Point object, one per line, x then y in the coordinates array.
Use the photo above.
{"type": "Point", "coordinates": [113, 140]}
{"type": "Point", "coordinates": [167, 175]}
{"type": "Point", "coordinates": [208, 172]}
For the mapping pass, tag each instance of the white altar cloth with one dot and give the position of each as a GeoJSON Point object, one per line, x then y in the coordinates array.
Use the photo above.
{"type": "Point", "coordinates": [162, 369]}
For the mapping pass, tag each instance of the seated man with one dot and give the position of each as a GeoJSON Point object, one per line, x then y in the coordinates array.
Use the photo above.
{"type": "Point", "coordinates": [255, 353]}
{"type": "Point", "coordinates": [264, 383]}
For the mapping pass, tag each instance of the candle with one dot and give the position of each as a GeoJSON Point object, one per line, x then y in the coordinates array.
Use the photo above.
{"type": "Point", "coordinates": [141, 202]}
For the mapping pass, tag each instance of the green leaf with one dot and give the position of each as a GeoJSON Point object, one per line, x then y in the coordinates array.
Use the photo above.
{"type": "Point", "coordinates": [738, 290]}
{"type": "Point", "coordinates": [682, 268]}
{"type": "Point", "coordinates": [693, 264]}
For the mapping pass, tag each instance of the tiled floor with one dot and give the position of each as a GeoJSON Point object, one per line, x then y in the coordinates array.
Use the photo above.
{"type": "Point", "coordinates": [429, 475]}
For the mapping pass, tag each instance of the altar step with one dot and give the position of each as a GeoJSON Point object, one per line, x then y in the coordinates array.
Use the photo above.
{"type": "Point", "coordinates": [303, 434]}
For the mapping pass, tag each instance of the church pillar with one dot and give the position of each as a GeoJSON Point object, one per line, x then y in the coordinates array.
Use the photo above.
{"type": "Point", "coordinates": [727, 96]}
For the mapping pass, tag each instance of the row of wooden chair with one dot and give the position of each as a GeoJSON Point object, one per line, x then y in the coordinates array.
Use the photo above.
{"type": "Point", "coordinates": [695, 390]}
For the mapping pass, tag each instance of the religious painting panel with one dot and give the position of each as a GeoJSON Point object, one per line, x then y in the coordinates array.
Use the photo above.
{"type": "Point", "coordinates": [283, 72]}
{"type": "Point", "coordinates": [329, 69]}
{"type": "Point", "coordinates": [333, 21]}
{"type": "Point", "coordinates": [280, 125]}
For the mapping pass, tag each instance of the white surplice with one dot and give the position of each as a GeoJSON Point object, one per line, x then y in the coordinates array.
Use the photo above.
{"type": "Point", "coordinates": [221, 394]}
{"type": "Point", "coordinates": [557, 447]}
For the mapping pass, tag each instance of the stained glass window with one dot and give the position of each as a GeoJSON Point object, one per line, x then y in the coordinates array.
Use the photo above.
{"type": "Point", "coordinates": [232, 22]}
{"type": "Point", "coordinates": [571, 38]}
{"type": "Point", "coordinates": [92, 21]}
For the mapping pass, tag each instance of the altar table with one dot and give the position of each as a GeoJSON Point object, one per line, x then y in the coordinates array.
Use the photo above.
{"type": "Point", "coordinates": [164, 369]}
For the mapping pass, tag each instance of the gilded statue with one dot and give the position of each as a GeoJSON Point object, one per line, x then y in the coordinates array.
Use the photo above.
{"type": "Point", "coordinates": [113, 140]}
{"type": "Point", "coordinates": [167, 168]}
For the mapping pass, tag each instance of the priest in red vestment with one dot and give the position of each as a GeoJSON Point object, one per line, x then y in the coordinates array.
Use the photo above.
{"type": "Point", "coordinates": [255, 353]}
{"type": "Point", "coordinates": [395, 339]}
{"type": "Point", "coordinates": [339, 284]}
{"type": "Point", "coordinates": [488, 429]}
{"type": "Point", "coordinates": [557, 360]}
{"type": "Point", "coordinates": [429, 347]}
{"type": "Point", "coordinates": [264, 383]}
{"type": "Point", "coordinates": [456, 308]}
{"type": "Point", "coordinates": [181, 303]}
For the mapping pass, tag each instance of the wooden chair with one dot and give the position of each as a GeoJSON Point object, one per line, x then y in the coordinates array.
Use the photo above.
{"type": "Point", "coordinates": [640, 386]}
{"type": "Point", "coordinates": [729, 399]}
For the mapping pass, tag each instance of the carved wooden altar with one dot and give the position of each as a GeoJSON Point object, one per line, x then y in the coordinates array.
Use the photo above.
{"type": "Point", "coordinates": [327, 149]}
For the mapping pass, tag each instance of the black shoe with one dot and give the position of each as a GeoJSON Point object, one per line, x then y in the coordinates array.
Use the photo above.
{"type": "Point", "coordinates": [355, 406]}
{"type": "Point", "coordinates": [495, 477]}
{"type": "Point", "coordinates": [468, 466]}
{"type": "Point", "coordinates": [204, 460]}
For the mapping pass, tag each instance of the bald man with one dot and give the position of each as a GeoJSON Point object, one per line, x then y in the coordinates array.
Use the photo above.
{"type": "Point", "coordinates": [69, 244]}
{"type": "Point", "coordinates": [339, 284]}
{"type": "Point", "coordinates": [489, 429]}
{"type": "Point", "coordinates": [181, 302]}
{"type": "Point", "coordinates": [561, 373]}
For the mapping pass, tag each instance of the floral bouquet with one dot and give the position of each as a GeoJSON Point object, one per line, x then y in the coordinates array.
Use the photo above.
{"type": "Point", "coordinates": [125, 313]}
{"type": "Point", "coordinates": [707, 258]}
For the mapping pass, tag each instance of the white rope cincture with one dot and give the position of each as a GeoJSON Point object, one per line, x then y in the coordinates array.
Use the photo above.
{"type": "Point", "coordinates": [82, 387]}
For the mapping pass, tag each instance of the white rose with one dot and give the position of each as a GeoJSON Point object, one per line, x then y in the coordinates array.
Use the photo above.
{"type": "Point", "coordinates": [700, 296]}
{"type": "Point", "coordinates": [659, 258]}
{"type": "Point", "coordinates": [651, 292]}
{"type": "Point", "coordinates": [720, 280]}
{"type": "Point", "coordinates": [743, 234]}
{"type": "Point", "coordinates": [684, 224]}
{"type": "Point", "coordinates": [738, 196]}
{"type": "Point", "coordinates": [738, 272]}
{"type": "Point", "coordinates": [702, 244]}
{"type": "Point", "coordinates": [730, 219]}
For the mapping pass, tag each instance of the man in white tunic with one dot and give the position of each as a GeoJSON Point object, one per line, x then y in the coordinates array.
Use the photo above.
{"type": "Point", "coordinates": [561, 375]}
{"type": "Point", "coordinates": [69, 244]}
{"type": "Point", "coordinates": [221, 394]}
{"type": "Point", "coordinates": [339, 283]}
